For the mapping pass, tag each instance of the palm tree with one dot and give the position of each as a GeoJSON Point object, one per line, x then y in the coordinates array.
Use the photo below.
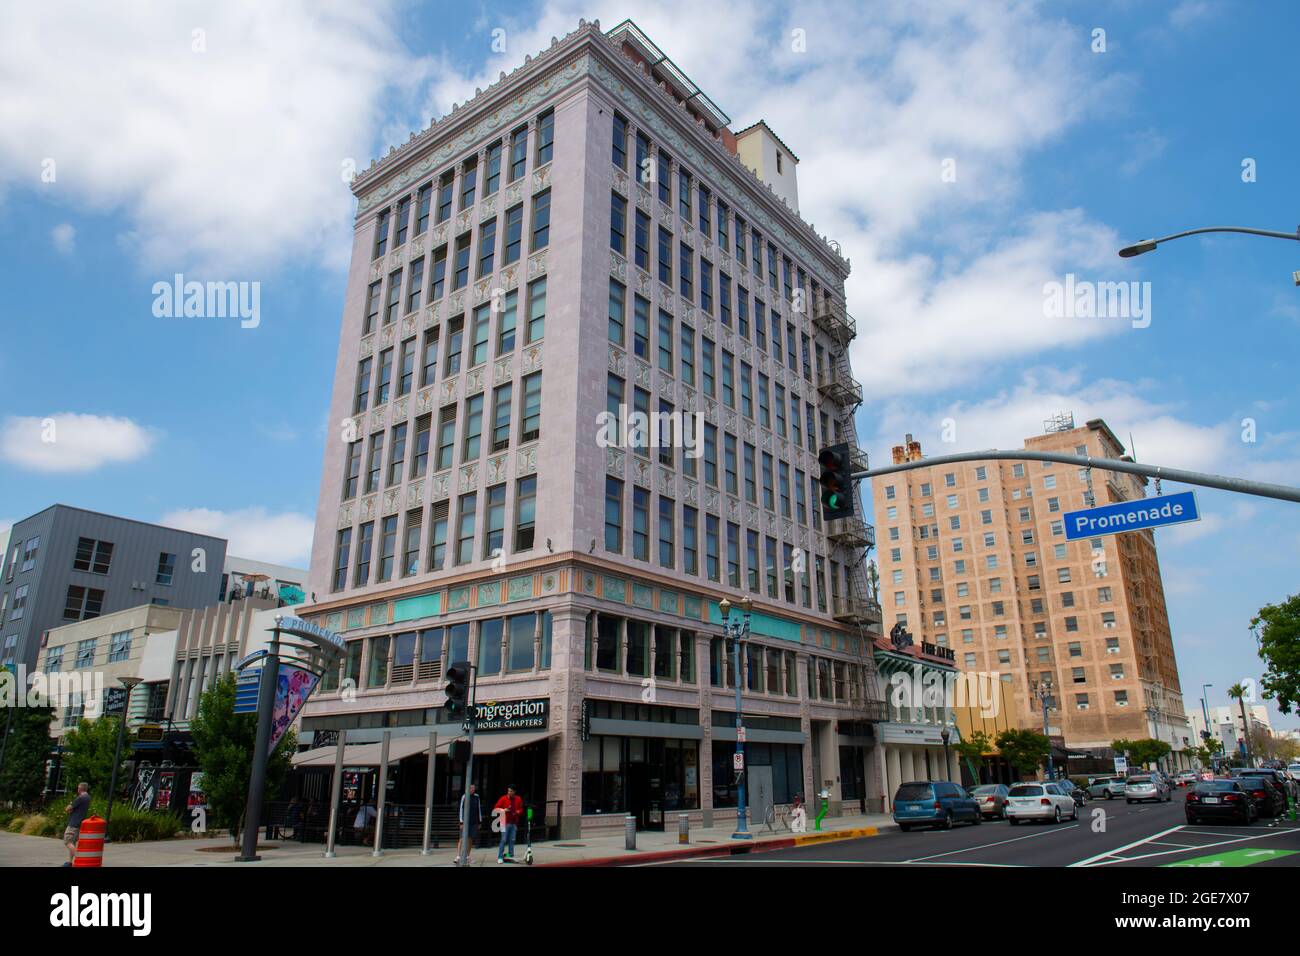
{"type": "Point", "coordinates": [1238, 693]}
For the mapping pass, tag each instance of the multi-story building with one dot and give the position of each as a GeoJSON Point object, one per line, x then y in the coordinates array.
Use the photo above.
{"type": "Point", "coordinates": [66, 564]}
{"type": "Point", "coordinates": [975, 558]}
{"type": "Point", "coordinates": [1226, 724]}
{"type": "Point", "coordinates": [583, 238]}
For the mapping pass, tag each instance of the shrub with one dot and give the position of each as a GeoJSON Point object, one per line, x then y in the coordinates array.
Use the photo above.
{"type": "Point", "coordinates": [33, 825]}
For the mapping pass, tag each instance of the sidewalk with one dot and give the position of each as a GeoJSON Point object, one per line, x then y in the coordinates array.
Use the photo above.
{"type": "Point", "coordinates": [606, 849]}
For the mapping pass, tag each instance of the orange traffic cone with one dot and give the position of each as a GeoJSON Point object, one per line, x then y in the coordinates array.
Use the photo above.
{"type": "Point", "coordinates": [90, 843]}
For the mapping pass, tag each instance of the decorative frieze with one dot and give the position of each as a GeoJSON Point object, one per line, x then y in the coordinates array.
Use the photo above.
{"type": "Point", "coordinates": [541, 178]}
{"type": "Point", "coordinates": [496, 469]}
{"type": "Point", "coordinates": [440, 487]}
{"type": "Point", "coordinates": [526, 461]}
{"type": "Point", "coordinates": [467, 479]}
{"type": "Point", "coordinates": [532, 358]}
{"type": "Point", "coordinates": [617, 266]}
{"type": "Point", "coordinates": [501, 370]}
{"type": "Point", "coordinates": [345, 515]}
{"type": "Point", "coordinates": [537, 264]}
{"type": "Point", "coordinates": [614, 461]}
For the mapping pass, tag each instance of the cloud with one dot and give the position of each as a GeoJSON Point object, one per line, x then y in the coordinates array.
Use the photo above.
{"type": "Point", "coordinates": [279, 538]}
{"type": "Point", "coordinates": [64, 236]}
{"type": "Point", "coordinates": [218, 132]}
{"type": "Point", "coordinates": [72, 442]}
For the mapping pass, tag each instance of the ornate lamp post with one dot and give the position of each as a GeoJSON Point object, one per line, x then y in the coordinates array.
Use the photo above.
{"type": "Point", "coordinates": [736, 631]}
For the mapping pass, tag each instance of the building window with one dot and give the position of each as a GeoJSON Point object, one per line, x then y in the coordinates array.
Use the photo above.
{"type": "Point", "coordinates": [618, 224]}
{"type": "Point", "coordinates": [85, 654]}
{"type": "Point", "coordinates": [397, 456]}
{"type": "Point", "coordinates": [617, 318]}
{"type": "Point", "coordinates": [667, 538]}
{"type": "Point", "coordinates": [119, 646]}
{"type": "Point", "coordinates": [501, 399]}
{"type": "Point", "coordinates": [514, 233]}
{"type": "Point", "coordinates": [342, 558]}
{"type": "Point", "coordinates": [94, 556]}
{"type": "Point", "coordinates": [411, 547]}
{"type": "Point", "coordinates": [81, 603]}
{"type": "Point", "coordinates": [545, 137]}
{"type": "Point", "coordinates": [466, 512]}
{"type": "Point", "coordinates": [525, 513]}
{"type": "Point", "coordinates": [387, 547]}
{"type": "Point", "coordinates": [541, 221]}
{"type": "Point", "coordinates": [518, 152]}
{"type": "Point", "coordinates": [640, 524]}
{"type": "Point", "coordinates": [438, 535]}
{"type": "Point", "coordinates": [619, 154]}
{"type": "Point", "coordinates": [166, 568]}
{"type": "Point", "coordinates": [471, 446]}
{"type": "Point", "coordinates": [614, 515]}
{"type": "Point", "coordinates": [494, 537]}
{"type": "Point", "coordinates": [712, 547]}
{"type": "Point", "coordinates": [487, 248]}
{"type": "Point", "coordinates": [536, 311]}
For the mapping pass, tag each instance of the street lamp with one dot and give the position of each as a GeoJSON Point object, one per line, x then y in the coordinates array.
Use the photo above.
{"type": "Point", "coordinates": [1043, 690]}
{"type": "Point", "coordinates": [735, 631]}
{"type": "Point", "coordinates": [1148, 245]}
{"type": "Point", "coordinates": [129, 683]}
{"type": "Point", "coordinates": [944, 735]}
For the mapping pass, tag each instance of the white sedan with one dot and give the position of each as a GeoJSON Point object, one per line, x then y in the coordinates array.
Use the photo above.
{"type": "Point", "coordinates": [1040, 801]}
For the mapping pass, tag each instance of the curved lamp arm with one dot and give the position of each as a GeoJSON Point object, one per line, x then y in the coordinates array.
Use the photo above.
{"type": "Point", "coordinates": [1147, 245]}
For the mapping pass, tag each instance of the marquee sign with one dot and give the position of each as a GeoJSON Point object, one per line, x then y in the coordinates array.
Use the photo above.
{"type": "Point", "coordinates": [531, 714]}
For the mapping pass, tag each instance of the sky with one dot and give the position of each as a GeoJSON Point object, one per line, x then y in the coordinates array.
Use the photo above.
{"type": "Point", "coordinates": [964, 156]}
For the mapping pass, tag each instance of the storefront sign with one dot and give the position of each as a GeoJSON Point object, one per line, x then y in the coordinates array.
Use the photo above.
{"type": "Point", "coordinates": [531, 714]}
{"type": "Point", "coordinates": [938, 650]}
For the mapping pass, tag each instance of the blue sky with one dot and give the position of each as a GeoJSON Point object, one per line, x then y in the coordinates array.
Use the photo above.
{"type": "Point", "coordinates": [211, 140]}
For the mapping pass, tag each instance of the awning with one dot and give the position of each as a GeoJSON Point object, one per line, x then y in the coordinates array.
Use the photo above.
{"type": "Point", "coordinates": [367, 755]}
{"type": "Point", "coordinates": [363, 755]}
{"type": "Point", "coordinates": [487, 744]}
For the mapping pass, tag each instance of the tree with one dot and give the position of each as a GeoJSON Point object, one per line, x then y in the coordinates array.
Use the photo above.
{"type": "Point", "coordinates": [1025, 750]}
{"type": "Point", "coordinates": [1279, 648]}
{"type": "Point", "coordinates": [26, 751]}
{"type": "Point", "coordinates": [88, 750]}
{"type": "Point", "coordinates": [1238, 693]}
{"type": "Point", "coordinates": [223, 748]}
{"type": "Point", "coordinates": [1142, 752]}
{"type": "Point", "coordinates": [974, 747]}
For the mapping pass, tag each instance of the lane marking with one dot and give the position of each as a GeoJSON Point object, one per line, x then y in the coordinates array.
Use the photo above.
{"type": "Point", "coordinates": [1128, 846]}
{"type": "Point", "coordinates": [985, 846]}
{"type": "Point", "coordinates": [1091, 861]}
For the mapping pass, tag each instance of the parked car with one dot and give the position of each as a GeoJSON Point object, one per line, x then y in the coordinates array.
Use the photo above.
{"type": "Point", "coordinates": [1223, 799]}
{"type": "Point", "coordinates": [1073, 790]}
{"type": "Point", "coordinates": [936, 803]}
{"type": "Point", "coordinates": [1108, 787]}
{"type": "Point", "coordinates": [1187, 778]}
{"type": "Point", "coordinates": [992, 798]}
{"type": "Point", "coordinates": [1147, 787]}
{"type": "Point", "coordinates": [1289, 786]}
{"type": "Point", "coordinates": [1293, 771]}
{"type": "Point", "coordinates": [1040, 801]}
{"type": "Point", "coordinates": [1270, 797]}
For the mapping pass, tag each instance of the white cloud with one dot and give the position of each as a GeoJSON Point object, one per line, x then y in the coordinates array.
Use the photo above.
{"type": "Point", "coordinates": [72, 442]}
{"type": "Point", "coordinates": [64, 237]}
{"type": "Point", "coordinates": [227, 158]}
{"type": "Point", "coordinates": [278, 538]}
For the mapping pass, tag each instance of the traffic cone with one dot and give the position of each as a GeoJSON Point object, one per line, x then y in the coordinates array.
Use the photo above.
{"type": "Point", "coordinates": [90, 843]}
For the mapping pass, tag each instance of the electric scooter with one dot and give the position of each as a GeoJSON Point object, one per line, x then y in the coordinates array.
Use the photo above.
{"type": "Point", "coordinates": [528, 853]}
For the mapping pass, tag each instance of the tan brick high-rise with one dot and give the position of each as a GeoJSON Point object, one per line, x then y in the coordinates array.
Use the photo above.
{"type": "Point", "coordinates": [974, 556]}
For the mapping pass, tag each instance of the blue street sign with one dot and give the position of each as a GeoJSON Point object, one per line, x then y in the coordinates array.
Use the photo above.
{"type": "Point", "coordinates": [1132, 515]}
{"type": "Point", "coordinates": [247, 686]}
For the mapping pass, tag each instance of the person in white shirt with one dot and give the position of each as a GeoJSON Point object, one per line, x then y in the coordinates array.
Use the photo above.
{"type": "Point", "coordinates": [364, 822]}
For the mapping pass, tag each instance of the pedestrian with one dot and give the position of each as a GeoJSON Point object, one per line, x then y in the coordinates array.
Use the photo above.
{"type": "Point", "coordinates": [76, 811]}
{"type": "Point", "coordinates": [511, 809]}
{"type": "Point", "coordinates": [466, 847]}
{"type": "Point", "coordinates": [798, 815]}
{"type": "Point", "coordinates": [364, 824]}
{"type": "Point", "coordinates": [292, 818]}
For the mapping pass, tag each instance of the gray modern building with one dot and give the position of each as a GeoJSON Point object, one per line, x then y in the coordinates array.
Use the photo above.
{"type": "Point", "coordinates": [585, 240]}
{"type": "Point", "coordinates": [67, 564]}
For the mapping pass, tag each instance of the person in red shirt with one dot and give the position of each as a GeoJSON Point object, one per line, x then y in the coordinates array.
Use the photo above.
{"type": "Point", "coordinates": [511, 810]}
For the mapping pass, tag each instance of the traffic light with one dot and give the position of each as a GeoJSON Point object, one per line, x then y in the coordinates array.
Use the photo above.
{"type": "Point", "coordinates": [836, 481]}
{"type": "Point", "coordinates": [457, 688]}
{"type": "Point", "coordinates": [458, 751]}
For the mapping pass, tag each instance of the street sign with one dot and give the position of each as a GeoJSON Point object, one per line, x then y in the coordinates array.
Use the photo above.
{"type": "Point", "coordinates": [740, 734]}
{"type": "Point", "coordinates": [247, 686]}
{"type": "Point", "coordinates": [115, 701]}
{"type": "Point", "coordinates": [1121, 765]}
{"type": "Point", "coordinates": [738, 761]}
{"type": "Point", "coordinates": [1131, 515]}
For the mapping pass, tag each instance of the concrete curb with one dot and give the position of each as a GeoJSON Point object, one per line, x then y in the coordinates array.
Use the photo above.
{"type": "Point", "coordinates": [737, 848]}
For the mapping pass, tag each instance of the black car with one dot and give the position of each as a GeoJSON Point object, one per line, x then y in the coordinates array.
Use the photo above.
{"type": "Point", "coordinates": [1079, 794]}
{"type": "Point", "coordinates": [1269, 797]}
{"type": "Point", "coordinates": [1283, 779]}
{"type": "Point", "coordinates": [1220, 800]}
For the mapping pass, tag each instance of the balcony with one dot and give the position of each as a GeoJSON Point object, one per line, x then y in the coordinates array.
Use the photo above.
{"type": "Point", "coordinates": [833, 319]}
{"type": "Point", "coordinates": [837, 384]}
{"type": "Point", "coordinates": [854, 610]}
{"type": "Point", "coordinates": [850, 532]}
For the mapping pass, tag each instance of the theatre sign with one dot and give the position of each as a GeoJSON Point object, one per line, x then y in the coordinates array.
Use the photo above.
{"type": "Point", "coordinates": [531, 714]}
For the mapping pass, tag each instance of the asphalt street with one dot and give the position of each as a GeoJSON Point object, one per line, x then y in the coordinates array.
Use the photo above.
{"type": "Point", "coordinates": [1107, 834]}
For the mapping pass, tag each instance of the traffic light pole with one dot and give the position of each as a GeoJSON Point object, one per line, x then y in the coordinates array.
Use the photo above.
{"type": "Point", "coordinates": [471, 715]}
{"type": "Point", "coordinates": [1240, 485]}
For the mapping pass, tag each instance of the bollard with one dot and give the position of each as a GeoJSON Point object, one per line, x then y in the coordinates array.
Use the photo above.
{"type": "Point", "coordinates": [629, 832]}
{"type": "Point", "coordinates": [90, 843]}
{"type": "Point", "coordinates": [683, 828]}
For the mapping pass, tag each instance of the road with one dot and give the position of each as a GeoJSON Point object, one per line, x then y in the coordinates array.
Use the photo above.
{"type": "Point", "coordinates": [1107, 834]}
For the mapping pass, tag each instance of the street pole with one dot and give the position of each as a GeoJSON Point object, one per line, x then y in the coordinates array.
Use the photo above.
{"type": "Point", "coordinates": [1240, 485]}
{"type": "Point", "coordinates": [734, 633]}
{"type": "Point", "coordinates": [944, 735]}
{"type": "Point", "coordinates": [1044, 691]}
{"type": "Point", "coordinates": [128, 683]}
{"type": "Point", "coordinates": [261, 748]}
{"type": "Point", "coordinates": [336, 793]}
{"type": "Point", "coordinates": [471, 715]}
{"type": "Point", "coordinates": [428, 793]}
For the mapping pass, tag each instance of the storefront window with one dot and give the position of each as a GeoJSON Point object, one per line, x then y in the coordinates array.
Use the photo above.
{"type": "Point", "coordinates": [773, 671]}
{"type": "Point", "coordinates": [716, 661]}
{"type": "Point", "coordinates": [754, 668]}
{"type": "Point", "coordinates": [785, 761]}
{"type": "Point", "coordinates": [607, 634]}
{"type": "Point", "coordinates": [404, 657]}
{"type": "Point", "coordinates": [824, 678]}
{"type": "Point", "coordinates": [791, 675]}
{"type": "Point", "coordinates": [458, 644]}
{"type": "Point", "coordinates": [638, 639]}
{"type": "Point", "coordinates": [352, 670]}
{"type": "Point", "coordinates": [645, 776]}
{"type": "Point", "coordinates": [522, 627]}
{"type": "Point", "coordinates": [664, 641]}
{"type": "Point", "coordinates": [489, 646]}
{"type": "Point", "coordinates": [812, 678]}
{"type": "Point", "coordinates": [378, 662]}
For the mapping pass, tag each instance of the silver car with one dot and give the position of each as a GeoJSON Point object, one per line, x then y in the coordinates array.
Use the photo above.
{"type": "Point", "coordinates": [1108, 787]}
{"type": "Point", "coordinates": [1147, 787]}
